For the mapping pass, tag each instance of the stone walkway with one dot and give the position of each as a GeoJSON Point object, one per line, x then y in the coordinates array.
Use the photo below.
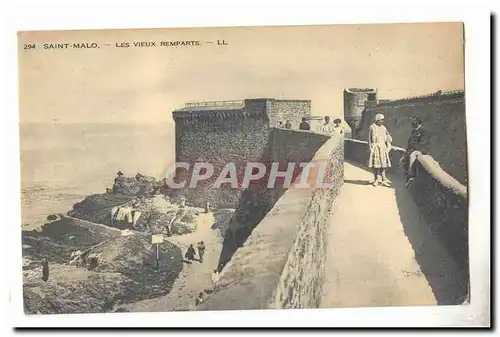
{"type": "Point", "coordinates": [374, 249]}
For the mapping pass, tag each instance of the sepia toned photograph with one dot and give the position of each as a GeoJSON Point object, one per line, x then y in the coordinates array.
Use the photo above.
{"type": "Point", "coordinates": [243, 168]}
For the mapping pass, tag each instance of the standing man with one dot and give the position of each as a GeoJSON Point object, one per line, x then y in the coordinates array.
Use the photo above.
{"type": "Point", "coordinates": [326, 127]}
{"type": "Point", "coordinates": [201, 250]}
{"type": "Point", "coordinates": [304, 125]}
{"type": "Point", "coordinates": [418, 143]}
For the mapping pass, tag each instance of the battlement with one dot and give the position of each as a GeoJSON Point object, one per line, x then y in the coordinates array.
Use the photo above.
{"type": "Point", "coordinates": [361, 90]}
{"type": "Point", "coordinates": [437, 96]}
{"type": "Point", "coordinates": [268, 108]}
{"type": "Point", "coordinates": [233, 103]}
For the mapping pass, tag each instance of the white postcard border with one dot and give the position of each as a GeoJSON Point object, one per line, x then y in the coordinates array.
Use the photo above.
{"type": "Point", "coordinates": [95, 14]}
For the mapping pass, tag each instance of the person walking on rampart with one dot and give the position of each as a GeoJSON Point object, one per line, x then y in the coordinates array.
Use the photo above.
{"type": "Point", "coordinates": [201, 250]}
{"type": "Point", "coordinates": [326, 127]}
{"type": "Point", "coordinates": [379, 141]}
{"type": "Point", "coordinates": [304, 125]}
{"type": "Point", "coordinates": [418, 143]}
{"type": "Point", "coordinates": [337, 128]}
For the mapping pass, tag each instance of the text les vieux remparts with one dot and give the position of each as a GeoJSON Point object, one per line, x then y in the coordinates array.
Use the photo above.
{"type": "Point", "coordinates": [153, 44]}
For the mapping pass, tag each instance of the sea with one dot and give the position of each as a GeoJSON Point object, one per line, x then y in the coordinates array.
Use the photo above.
{"type": "Point", "coordinates": [63, 163]}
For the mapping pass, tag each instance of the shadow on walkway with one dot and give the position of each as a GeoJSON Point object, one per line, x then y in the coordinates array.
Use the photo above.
{"type": "Point", "coordinates": [449, 283]}
{"type": "Point", "coordinates": [364, 182]}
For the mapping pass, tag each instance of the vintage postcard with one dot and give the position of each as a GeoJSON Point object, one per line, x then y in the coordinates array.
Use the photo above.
{"type": "Point", "coordinates": [243, 168]}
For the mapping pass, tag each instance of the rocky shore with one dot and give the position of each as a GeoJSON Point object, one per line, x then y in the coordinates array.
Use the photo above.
{"type": "Point", "coordinates": [158, 213]}
{"type": "Point", "coordinates": [99, 263]}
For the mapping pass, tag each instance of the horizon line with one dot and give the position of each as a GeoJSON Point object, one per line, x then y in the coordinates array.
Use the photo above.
{"type": "Point", "coordinates": [88, 122]}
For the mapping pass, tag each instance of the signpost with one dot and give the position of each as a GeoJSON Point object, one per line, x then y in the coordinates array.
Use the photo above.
{"type": "Point", "coordinates": [157, 239]}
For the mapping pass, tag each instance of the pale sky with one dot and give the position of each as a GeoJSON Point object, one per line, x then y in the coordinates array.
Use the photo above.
{"type": "Point", "coordinates": [144, 85]}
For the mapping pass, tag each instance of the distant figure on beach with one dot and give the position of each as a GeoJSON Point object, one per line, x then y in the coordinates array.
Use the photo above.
{"type": "Point", "coordinates": [190, 253]}
{"type": "Point", "coordinates": [199, 299]}
{"type": "Point", "coordinates": [379, 141]}
{"type": "Point", "coordinates": [418, 143]}
{"type": "Point", "coordinates": [215, 277]}
{"type": "Point", "coordinates": [45, 269]}
{"type": "Point", "coordinates": [304, 125]}
{"type": "Point", "coordinates": [201, 250]}
{"type": "Point", "coordinates": [288, 124]}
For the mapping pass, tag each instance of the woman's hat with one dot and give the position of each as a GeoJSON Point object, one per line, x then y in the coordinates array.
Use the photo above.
{"type": "Point", "coordinates": [379, 117]}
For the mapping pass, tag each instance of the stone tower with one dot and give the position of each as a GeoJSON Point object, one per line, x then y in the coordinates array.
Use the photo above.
{"type": "Point", "coordinates": [354, 104]}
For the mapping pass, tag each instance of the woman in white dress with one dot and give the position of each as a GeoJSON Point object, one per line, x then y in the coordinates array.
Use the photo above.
{"type": "Point", "coordinates": [379, 141]}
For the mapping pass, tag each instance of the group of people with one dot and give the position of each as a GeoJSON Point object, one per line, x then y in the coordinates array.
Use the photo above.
{"type": "Point", "coordinates": [379, 142]}
{"type": "Point", "coordinates": [304, 125]}
{"type": "Point", "coordinates": [330, 128]}
{"type": "Point", "coordinates": [191, 252]}
{"type": "Point", "coordinates": [327, 127]}
{"type": "Point", "coordinates": [286, 125]}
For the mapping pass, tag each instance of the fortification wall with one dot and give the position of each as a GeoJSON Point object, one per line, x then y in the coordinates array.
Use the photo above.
{"type": "Point", "coordinates": [441, 198]}
{"type": "Point", "coordinates": [444, 203]}
{"type": "Point", "coordinates": [228, 137]}
{"type": "Point", "coordinates": [443, 116]}
{"type": "Point", "coordinates": [285, 146]}
{"type": "Point", "coordinates": [228, 133]}
{"type": "Point", "coordinates": [286, 251]}
{"type": "Point", "coordinates": [292, 110]}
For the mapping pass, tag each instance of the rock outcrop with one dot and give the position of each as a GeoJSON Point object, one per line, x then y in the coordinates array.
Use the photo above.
{"type": "Point", "coordinates": [142, 194]}
{"type": "Point", "coordinates": [97, 207]}
{"type": "Point", "coordinates": [134, 186]}
{"type": "Point", "coordinates": [158, 215]}
{"type": "Point", "coordinates": [98, 279]}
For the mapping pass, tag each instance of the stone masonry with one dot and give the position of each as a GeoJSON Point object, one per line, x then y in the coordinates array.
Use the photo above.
{"type": "Point", "coordinates": [228, 131]}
